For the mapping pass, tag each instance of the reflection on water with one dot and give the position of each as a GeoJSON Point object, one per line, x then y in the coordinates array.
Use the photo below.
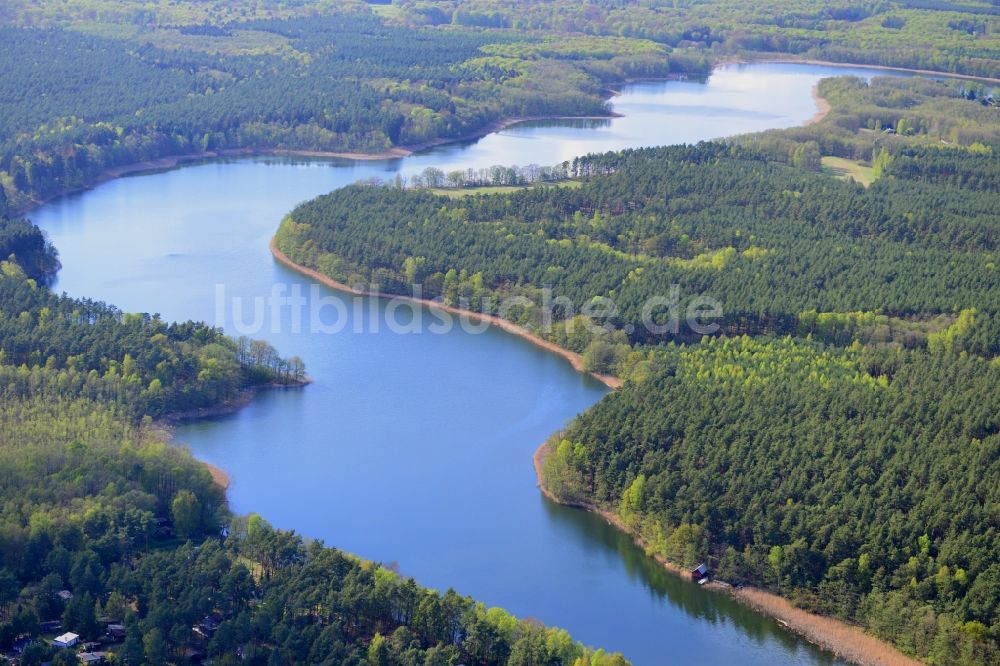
{"type": "Point", "coordinates": [570, 123]}
{"type": "Point", "coordinates": [709, 605]}
{"type": "Point", "coordinates": [417, 448]}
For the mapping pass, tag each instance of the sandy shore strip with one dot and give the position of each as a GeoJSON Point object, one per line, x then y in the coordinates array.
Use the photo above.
{"type": "Point", "coordinates": [218, 475]}
{"type": "Point", "coordinates": [822, 107]}
{"type": "Point", "coordinates": [844, 640]}
{"type": "Point", "coordinates": [576, 360]}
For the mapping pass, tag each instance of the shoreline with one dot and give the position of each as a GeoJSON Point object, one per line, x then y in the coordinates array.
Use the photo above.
{"type": "Point", "coordinates": [823, 107]}
{"type": "Point", "coordinates": [173, 161]}
{"type": "Point", "coordinates": [219, 475]}
{"type": "Point", "coordinates": [231, 406]}
{"type": "Point", "coordinates": [766, 603]}
{"type": "Point", "coordinates": [399, 152]}
{"type": "Point", "coordinates": [574, 359]}
{"type": "Point", "coordinates": [788, 60]}
{"type": "Point", "coordinates": [843, 640]}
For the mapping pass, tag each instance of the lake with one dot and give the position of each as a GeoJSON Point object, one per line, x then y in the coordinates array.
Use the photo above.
{"type": "Point", "coordinates": [415, 449]}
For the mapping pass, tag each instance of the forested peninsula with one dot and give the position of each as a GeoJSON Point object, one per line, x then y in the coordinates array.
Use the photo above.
{"type": "Point", "coordinates": [836, 440]}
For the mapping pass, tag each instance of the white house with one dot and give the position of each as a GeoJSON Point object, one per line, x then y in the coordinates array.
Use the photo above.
{"type": "Point", "coordinates": [67, 640]}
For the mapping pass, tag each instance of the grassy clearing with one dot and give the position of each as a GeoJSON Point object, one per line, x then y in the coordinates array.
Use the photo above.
{"type": "Point", "coordinates": [845, 169]}
{"type": "Point", "coordinates": [387, 11]}
{"type": "Point", "coordinates": [457, 192]}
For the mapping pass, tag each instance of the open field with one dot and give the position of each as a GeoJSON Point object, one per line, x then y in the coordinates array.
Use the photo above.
{"type": "Point", "coordinates": [845, 169]}
{"type": "Point", "coordinates": [457, 192]}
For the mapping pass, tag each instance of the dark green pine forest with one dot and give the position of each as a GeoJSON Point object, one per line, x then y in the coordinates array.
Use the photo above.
{"type": "Point", "coordinates": [837, 439]}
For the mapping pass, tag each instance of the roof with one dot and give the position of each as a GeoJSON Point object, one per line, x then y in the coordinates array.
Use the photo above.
{"type": "Point", "coordinates": [67, 637]}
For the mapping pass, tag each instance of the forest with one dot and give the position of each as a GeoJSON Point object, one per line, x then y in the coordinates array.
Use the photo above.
{"type": "Point", "coordinates": [111, 532]}
{"type": "Point", "coordinates": [747, 223]}
{"type": "Point", "coordinates": [816, 443]}
{"type": "Point", "coordinates": [357, 77]}
{"type": "Point", "coordinates": [102, 509]}
{"type": "Point", "coordinates": [337, 82]}
{"type": "Point", "coordinates": [938, 35]}
{"type": "Point", "coordinates": [835, 441]}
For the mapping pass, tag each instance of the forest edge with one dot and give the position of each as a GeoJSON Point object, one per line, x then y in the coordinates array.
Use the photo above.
{"type": "Point", "coordinates": [844, 640]}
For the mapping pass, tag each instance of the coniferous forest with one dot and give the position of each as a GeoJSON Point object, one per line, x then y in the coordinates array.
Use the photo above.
{"type": "Point", "coordinates": [836, 439]}
{"type": "Point", "coordinates": [833, 436]}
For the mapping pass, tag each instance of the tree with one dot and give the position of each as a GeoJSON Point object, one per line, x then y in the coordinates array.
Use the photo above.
{"type": "Point", "coordinates": [185, 510]}
{"type": "Point", "coordinates": [155, 647]}
{"type": "Point", "coordinates": [378, 651]}
{"type": "Point", "coordinates": [9, 589]}
{"type": "Point", "coordinates": [80, 617]}
{"type": "Point", "coordinates": [65, 658]}
{"type": "Point", "coordinates": [133, 651]}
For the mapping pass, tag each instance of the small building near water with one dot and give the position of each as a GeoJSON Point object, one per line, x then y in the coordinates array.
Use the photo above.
{"type": "Point", "coordinates": [700, 573]}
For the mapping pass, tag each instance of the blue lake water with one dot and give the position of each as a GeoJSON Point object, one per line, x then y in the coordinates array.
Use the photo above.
{"type": "Point", "coordinates": [416, 449]}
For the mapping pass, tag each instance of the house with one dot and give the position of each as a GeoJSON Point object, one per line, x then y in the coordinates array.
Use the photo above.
{"type": "Point", "coordinates": [700, 573]}
{"type": "Point", "coordinates": [207, 627]}
{"type": "Point", "coordinates": [116, 631]}
{"type": "Point", "coordinates": [65, 595]}
{"type": "Point", "coordinates": [67, 640]}
{"type": "Point", "coordinates": [22, 642]}
{"type": "Point", "coordinates": [92, 657]}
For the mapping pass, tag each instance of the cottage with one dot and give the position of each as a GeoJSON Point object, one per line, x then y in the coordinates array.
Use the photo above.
{"type": "Point", "coordinates": [67, 640]}
{"type": "Point", "coordinates": [207, 627]}
{"type": "Point", "coordinates": [700, 573]}
{"type": "Point", "coordinates": [65, 595]}
{"type": "Point", "coordinates": [92, 657]}
{"type": "Point", "coordinates": [116, 632]}
{"type": "Point", "coordinates": [22, 643]}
